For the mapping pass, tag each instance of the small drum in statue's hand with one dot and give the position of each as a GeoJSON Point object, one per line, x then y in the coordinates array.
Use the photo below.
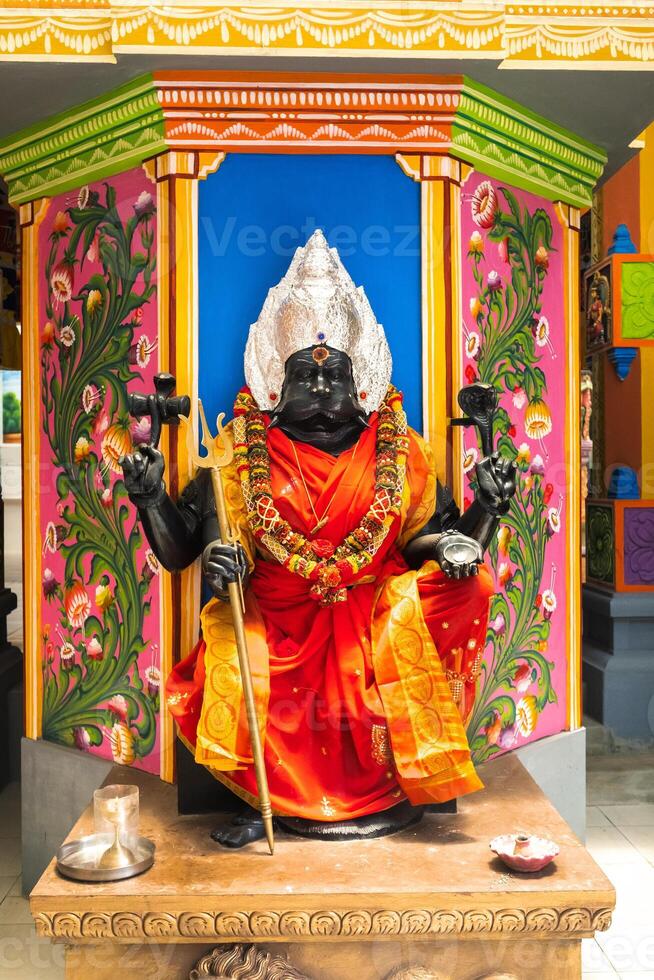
{"type": "Point", "coordinates": [458, 555]}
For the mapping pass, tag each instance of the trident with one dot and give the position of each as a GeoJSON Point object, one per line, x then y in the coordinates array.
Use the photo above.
{"type": "Point", "coordinates": [215, 462]}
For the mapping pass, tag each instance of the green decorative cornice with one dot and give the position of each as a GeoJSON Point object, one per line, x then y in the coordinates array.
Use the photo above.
{"type": "Point", "coordinates": [227, 112]}
{"type": "Point", "coordinates": [102, 137]}
{"type": "Point", "coordinates": [508, 142]}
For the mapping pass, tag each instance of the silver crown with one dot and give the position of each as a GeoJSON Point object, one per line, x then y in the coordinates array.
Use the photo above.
{"type": "Point", "coordinates": [317, 303]}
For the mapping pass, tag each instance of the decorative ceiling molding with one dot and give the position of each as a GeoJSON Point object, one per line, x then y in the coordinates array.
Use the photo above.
{"type": "Point", "coordinates": [556, 35]}
{"type": "Point", "coordinates": [200, 113]}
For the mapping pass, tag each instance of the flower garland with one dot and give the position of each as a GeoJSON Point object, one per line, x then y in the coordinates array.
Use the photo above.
{"type": "Point", "coordinates": [329, 568]}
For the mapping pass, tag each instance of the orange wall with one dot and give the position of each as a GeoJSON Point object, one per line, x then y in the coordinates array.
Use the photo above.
{"type": "Point", "coordinates": [621, 203]}
{"type": "Point", "coordinates": [622, 399]}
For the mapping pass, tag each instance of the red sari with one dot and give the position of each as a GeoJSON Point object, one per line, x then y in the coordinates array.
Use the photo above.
{"type": "Point", "coordinates": [360, 702]}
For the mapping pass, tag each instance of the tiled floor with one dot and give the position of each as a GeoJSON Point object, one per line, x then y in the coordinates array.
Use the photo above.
{"type": "Point", "coordinates": [620, 838]}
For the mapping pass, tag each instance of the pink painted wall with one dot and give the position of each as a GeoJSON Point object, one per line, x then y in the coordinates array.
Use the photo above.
{"type": "Point", "coordinates": [100, 591]}
{"type": "Point", "coordinates": [514, 338]}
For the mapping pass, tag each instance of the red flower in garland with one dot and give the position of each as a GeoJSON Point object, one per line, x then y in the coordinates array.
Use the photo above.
{"type": "Point", "coordinates": [322, 548]}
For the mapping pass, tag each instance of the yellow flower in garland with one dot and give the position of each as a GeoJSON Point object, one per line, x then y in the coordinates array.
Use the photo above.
{"type": "Point", "coordinates": [93, 301]}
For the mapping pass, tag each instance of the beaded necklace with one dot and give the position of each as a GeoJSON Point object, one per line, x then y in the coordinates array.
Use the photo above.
{"type": "Point", "coordinates": [329, 568]}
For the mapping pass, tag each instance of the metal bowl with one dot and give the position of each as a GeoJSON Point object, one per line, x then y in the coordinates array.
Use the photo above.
{"type": "Point", "coordinates": [79, 859]}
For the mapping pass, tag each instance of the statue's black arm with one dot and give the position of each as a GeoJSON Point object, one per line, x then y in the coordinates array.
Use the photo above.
{"type": "Point", "coordinates": [475, 522]}
{"type": "Point", "coordinates": [177, 533]}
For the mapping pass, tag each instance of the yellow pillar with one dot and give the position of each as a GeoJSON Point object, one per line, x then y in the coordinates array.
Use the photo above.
{"type": "Point", "coordinates": [177, 175]}
{"type": "Point", "coordinates": [440, 179]}
{"type": "Point", "coordinates": [569, 221]}
{"type": "Point", "coordinates": [31, 215]}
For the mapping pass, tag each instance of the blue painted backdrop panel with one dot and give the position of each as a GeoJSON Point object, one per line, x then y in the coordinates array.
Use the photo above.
{"type": "Point", "coordinates": [256, 210]}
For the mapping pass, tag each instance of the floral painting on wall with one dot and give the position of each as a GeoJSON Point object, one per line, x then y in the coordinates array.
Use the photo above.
{"type": "Point", "coordinates": [100, 598]}
{"type": "Point", "coordinates": [514, 339]}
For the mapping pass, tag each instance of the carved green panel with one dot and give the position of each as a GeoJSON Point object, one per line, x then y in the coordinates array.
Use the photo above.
{"type": "Point", "coordinates": [638, 301]}
{"type": "Point", "coordinates": [600, 543]}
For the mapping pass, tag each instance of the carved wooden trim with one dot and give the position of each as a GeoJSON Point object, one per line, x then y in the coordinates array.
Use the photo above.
{"type": "Point", "coordinates": [270, 925]}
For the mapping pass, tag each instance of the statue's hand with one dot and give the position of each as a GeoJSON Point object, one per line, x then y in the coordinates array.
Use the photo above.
{"type": "Point", "coordinates": [221, 564]}
{"type": "Point", "coordinates": [458, 555]}
{"type": "Point", "coordinates": [143, 474]}
{"type": "Point", "coordinates": [496, 480]}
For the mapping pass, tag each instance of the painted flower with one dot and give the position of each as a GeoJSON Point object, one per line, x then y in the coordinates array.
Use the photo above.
{"type": "Point", "coordinates": [519, 397]}
{"type": "Point", "coordinates": [151, 566]}
{"type": "Point", "coordinates": [144, 205]}
{"type": "Point", "coordinates": [542, 258]}
{"type": "Point", "coordinates": [476, 244]}
{"type": "Point", "coordinates": [493, 280]}
{"type": "Point", "coordinates": [526, 714]}
{"type": "Point", "coordinates": [93, 251]}
{"type": "Point", "coordinates": [541, 331]}
{"type": "Point", "coordinates": [470, 374]}
{"type": "Point", "coordinates": [61, 283]}
{"type": "Point", "coordinates": [537, 465]}
{"type": "Point", "coordinates": [548, 490]}
{"type": "Point", "coordinates": [137, 316]}
{"type": "Point", "coordinates": [504, 537]}
{"type": "Point", "coordinates": [48, 333]}
{"type": "Point", "coordinates": [153, 679]}
{"type": "Point", "coordinates": [49, 652]}
{"type": "Point", "coordinates": [498, 625]}
{"type": "Point", "coordinates": [493, 730]}
{"type": "Point", "coordinates": [116, 443]}
{"type": "Point", "coordinates": [107, 497]}
{"type": "Point", "coordinates": [94, 649]}
{"type": "Point", "coordinates": [511, 431]}
{"type": "Point", "coordinates": [470, 457]}
{"type": "Point", "coordinates": [141, 431]}
{"type": "Point", "coordinates": [508, 737]}
{"type": "Point", "coordinates": [549, 603]}
{"type": "Point", "coordinates": [90, 397]}
{"type": "Point", "coordinates": [100, 423]}
{"type": "Point", "coordinates": [118, 706]}
{"type": "Point", "coordinates": [553, 521]}
{"type": "Point", "coordinates": [60, 224]}
{"type": "Point", "coordinates": [484, 205]}
{"type": "Point", "coordinates": [538, 419]}
{"type": "Point", "coordinates": [476, 309]}
{"type": "Point", "coordinates": [104, 597]}
{"type": "Point", "coordinates": [67, 336]}
{"type": "Point", "coordinates": [472, 344]}
{"type": "Point", "coordinates": [83, 197]}
{"type": "Point", "coordinates": [54, 535]}
{"type": "Point", "coordinates": [523, 677]}
{"type": "Point", "coordinates": [67, 655]}
{"type": "Point", "coordinates": [503, 251]}
{"type": "Point", "coordinates": [93, 301]}
{"type": "Point", "coordinates": [121, 741]}
{"type": "Point", "coordinates": [82, 449]}
{"type": "Point", "coordinates": [81, 738]}
{"type": "Point", "coordinates": [528, 482]}
{"type": "Point", "coordinates": [504, 574]}
{"type": "Point", "coordinates": [50, 583]}
{"type": "Point", "coordinates": [77, 605]}
{"type": "Point", "coordinates": [140, 352]}
{"type": "Point", "coordinates": [523, 457]}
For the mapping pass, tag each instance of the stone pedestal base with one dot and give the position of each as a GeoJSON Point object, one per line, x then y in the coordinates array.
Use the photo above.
{"type": "Point", "coordinates": [431, 903]}
{"type": "Point", "coordinates": [618, 660]}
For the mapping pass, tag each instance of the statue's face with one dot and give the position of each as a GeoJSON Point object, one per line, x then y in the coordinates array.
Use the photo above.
{"type": "Point", "coordinates": [319, 403]}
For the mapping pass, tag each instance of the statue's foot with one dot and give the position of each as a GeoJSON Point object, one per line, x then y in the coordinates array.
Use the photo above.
{"type": "Point", "coordinates": [245, 827]}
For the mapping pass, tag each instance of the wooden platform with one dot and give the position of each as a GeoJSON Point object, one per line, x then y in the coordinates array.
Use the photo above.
{"type": "Point", "coordinates": [433, 897]}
